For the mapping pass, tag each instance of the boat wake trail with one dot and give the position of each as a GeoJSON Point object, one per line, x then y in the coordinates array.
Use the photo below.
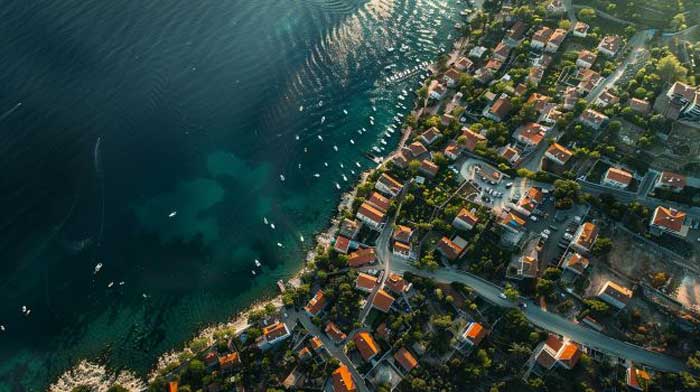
{"type": "Point", "coordinates": [9, 112]}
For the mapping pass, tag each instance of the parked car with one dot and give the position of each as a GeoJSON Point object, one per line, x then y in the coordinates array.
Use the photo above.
{"type": "Point", "coordinates": [533, 218]}
{"type": "Point", "coordinates": [544, 236]}
{"type": "Point", "coordinates": [547, 232]}
{"type": "Point", "coordinates": [568, 236]}
{"type": "Point", "coordinates": [509, 185]}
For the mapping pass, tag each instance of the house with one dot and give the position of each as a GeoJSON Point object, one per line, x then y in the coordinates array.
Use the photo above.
{"type": "Point", "coordinates": [535, 75]}
{"type": "Point", "coordinates": [501, 52]}
{"type": "Point", "coordinates": [365, 344]}
{"type": "Point", "coordinates": [493, 65]}
{"type": "Point", "coordinates": [452, 151]}
{"type": "Point", "coordinates": [539, 101]}
{"type": "Point", "coordinates": [430, 136]}
{"type": "Point", "coordinates": [379, 202]}
{"type": "Point", "coordinates": [668, 220]}
{"type": "Point", "coordinates": [570, 97]}
{"type": "Point", "coordinates": [473, 334]}
{"type": "Point", "coordinates": [588, 80]}
{"type": "Point", "coordinates": [639, 105]}
{"type": "Point", "coordinates": [416, 150]}
{"type": "Point", "coordinates": [400, 159]}
{"type": "Point", "coordinates": [316, 343]}
{"type": "Point", "coordinates": [540, 38]}
{"type": "Point", "coordinates": [349, 228]}
{"type": "Point", "coordinates": [555, 40]}
{"type": "Point", "coordinates": [451, 77]}
{"type": "Point", "coordinates": [438, 92]}
{"type": "Point", "coordinates": [556, 7]}
{"type": "Point", "coordinates": [342, 244]}
{"type": "Point", "coordinates": [615, 294]}
{"type": "Point", "coordinates": [397, 284]}
{"type": "Point", "coordinates": [273, 334]}
{"type": "Point", "coordinates": [304, 354]}
{"type": "Point", "coordinates": [529, 136]}
{"type": "Point", "coordinates": [371, 216]}
{"type": "Point", "coordinates": [362, 257]}
{"type": "Point", "coordinates": [551, 114]}
{"type": "Point", "coordinates": [524, 267]}
{"type": "Point", "coordinates": [484, 75]}
{"type": "Point", "coordinates": [172, 386]}
{"type": "Point", "coordinates": [636, 378]}
{"type": "Point", "coordinates": [606, 98]}
{"type": "Point", "coordinates": [509, 153]}
{"type": "Point", "coordinates": [557, 352]}
{"type": "Point", "coordinates": [586, 59]}
{"type": "Point", "coordinates": [511, 222]}
{"type": "Point", "coordinates": [404, 358]}
{"type": "Point", "coordinates": [334, 332]}
{"type": "Point", "coordinates": [585, 237]}
{"type": "Point", "coordinates": [515, 34]}
{"type": "Point", "coordinates": [593, 119]}
{"type": "Point", "coordinates": [617, 178]}
{"type": "Point", "coordinates": [581, 29]}
{"type": "Point", "coordinates": [403, 234]}
{"type": "Point", "coordinates": [383, 301]}
{"type": "Point", "coordinates": [342, 380]}
{"type": "Point", "coordinates": [294, 380]}
{"type": "Point", "coordinates": [500, 109]}
{"type": "Point", "coordinates": [610, 45]}
{"type": "Point", "coordinates": [465, 220]}
{"type": "Point", "coordinates": [686, 99]}
{"type": "Point", "coordinates": [575, 263]}
{"type": "Point", "coordinates": [228, 361]}
{"type": "Point", "coordinates": [520, 89]}
{"type": "Point", "coordinates": [529, 201]}
{"type": "Point", "coordinates": [670, 181]}
{"type": "Point", "coordinates": [477, 52]}
{"type": "Point", "coordinates": [316, 304]}
{"type": "Point", "coordinates": [558, 154]}
{"type": "Point", "coordinates": [428, 168]}
{"type": "Point", "coordinates": [366, 282]}
{"type": "Point", "coordinates": [450, 249]}
{"type": "Point", "coordinates": [491, 174]}
{"type": "Point", "coordinates": [464, 64]}
{"type": "Point", "coordinates": [473, 139]}
{"type": "Point", "coordinates": [402, 250]}
{"type": "Point", "coordinates": [387, 185]}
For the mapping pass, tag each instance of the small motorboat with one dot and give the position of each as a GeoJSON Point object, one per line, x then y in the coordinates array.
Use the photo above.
{"type": "Point", "coordinates": [282, 177]}
{"type": "Point", "coordinates": [257, 263]}
{"type": "Point", "coordinates": [98, 267]}
{"type": "Point", "coordinates": [279, 244]}
{"type": "Point", "coordinates": [109, 286]}
{"type": "Point", "coordinates": [172, 214]}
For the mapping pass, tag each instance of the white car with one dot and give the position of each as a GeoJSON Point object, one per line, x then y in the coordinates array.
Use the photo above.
{"type": "Point", "coordinates": [533, 218]}
{"type": "Point", "coordinates": [547, 231]}
{"type": "Point", "coordinates": [502, 296]}
{"type": "Point", "coordinates": [568, 236]}
{"type": "Point", "coordinates": [544, 236]}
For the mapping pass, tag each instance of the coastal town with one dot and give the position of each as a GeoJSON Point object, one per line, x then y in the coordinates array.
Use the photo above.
{"type": "Point", "coordinates": [538, 228]}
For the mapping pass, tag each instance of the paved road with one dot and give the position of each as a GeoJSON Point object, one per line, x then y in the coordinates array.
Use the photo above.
{"type": "Point", "coordinates": [551, 321]}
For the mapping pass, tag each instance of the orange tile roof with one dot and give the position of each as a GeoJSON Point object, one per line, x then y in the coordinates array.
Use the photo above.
{"type": "Point", "coordinates": [637, 378]}
{"type": "Point", "coordinates": [342, 380]}
{"type": "Point", "coordinates": [431, 135]}
{"type": "Point", "coordinates": [229, 359]}
{"type": "Point", "coordinates": [560, 152]}
{"type": "Point", "coordinates": [341, 244]}
{"type": "Point", "coordinates": [672, 179]}
{"type": "Point", "coordinates": [473, 138]}
{"type": "Point", "coordinates": [405, 359]}
{"type": "Point", "coordinates": [383, 301]}
{"type": "Point", "coordinates": [275, 330]}
{"type": "Point", "coordinates": [316, 304]}
{"type": "Point", "coordinates": [569, 353]}
{"type": "Point", "coordinates": [316, 343]}
{"type": "Point", "coordinates": [468, 216]}
{"type": "Point", "coordinates": [453, 74]}
{"type": "Point", "coordinates": [361, 257]}
{"type": "Point", "coordinates": [390, 182]}
{"type": "Point", "coordinates": [396, 283]}
{"type": "Point", "coordinates": [512, 218]}
{"type": "Point", "coordinates": [365, 281]}
{"type": "Point", "coordinates": [587, 56]}
{"type": "Point", "coordinates": [501, 107]}
{"type": "Point", "coordinates": [618, 292]}
{"type": "Point", "coordinates": [366, 345]}
{"type": "Point", "coordinates": [475, 333]}
{"type": "Point", "coordinates": [589, 232]}
{"type": "Point", "coordinates": [618, 175]}
{"type": "Point", "coordinates": [532, 133]}
{"type": "Point", "coordinates": [417, 149]}
{"type": "Point", "coordinates": [400, 246]}
{"type": "Point", "coordinates": [403, 233]}
{"type": "Point", "coordinates": [576, 262]}
{"type": "Point", "coordinates": [429, 167]}
{"type": "Point", "coordinates": [449, 249]}
{"type": "Point", "coordinates": [542, 35]}
{"type": "Point", "coordinates": [371, 212]}
{"type": "Point", "coordinates": [172, 386]}
{"type": "Point", "coordinates": [334, 332]}
{"type": "Point", "coordinates": [304, 353]}
{"type": "Point", "coordinates": [545, 359]}
{"type": "Point", "coordinates": [380, 202]}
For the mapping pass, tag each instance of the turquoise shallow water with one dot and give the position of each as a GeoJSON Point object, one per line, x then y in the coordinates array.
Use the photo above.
{"type": "Point", "coordinates": [196, 109]}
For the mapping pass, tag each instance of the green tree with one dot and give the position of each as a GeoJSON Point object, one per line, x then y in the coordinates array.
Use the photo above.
{"type": "Point", "coordinates": [587, 14]}
{"type": "Point", "coordinates": [670, 68]}
{"type": "Point", "coordinates": [511, 292]}
{"type": "Point", "coordinates": [602, 246]}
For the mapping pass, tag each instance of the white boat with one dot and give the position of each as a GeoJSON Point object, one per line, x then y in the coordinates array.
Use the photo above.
{"type": "Point", "coordinates": [28, 312]}
{"type": "Point", "coordinates": [301, 108]}
{"type": "Point", "coordinates": [265, 220]}
{"type": "Point", "coordinates": [257, 263]}
{"type": "Point", "coordinates": [144, 296]}
{"type": "Point", "coordinates": [345, 111]}
{"type": "Point", "coordinates": [2, 328]}
{"type": "Point", "coordinates": [282, 177]}
{"type": "Point", "coordinates": [272, 225]}
{"type": "Point", "coordinates": [374, 108]}
{"type": "Point", "coordinates": [320, 103]}
{"type": "Point", "coordinates": [383, 142]}
{"type": "Point", "coordinates": [371, 122]}
{"type": "Point", "coordinates": [252, 272]}
{"type": "Point", "coordinates": [24, 308]}
{"type": "Point", "coordinates": [323, 119]}
{"type": "Point", "coordinates": [376, 149]}
{"type": "Point", "coordinates": [98, 267]}
{"type": "Point", "coordinates": [335, 148]}
{"type": "Point", "coordinates": [357, 164]}
{"type": "Point", "coordinates": [352, 171]}
{"type": "Point", "coordinates": [296, 137]}
{"type": "Point", "coordinates": [301, 238]}
{"type": "Point", "coordinates": [352, 141]}
{"type": "Point", "coordinates": [172, 214]}
{"type": "Point", "coordinates": [371, 118]}
{"type": "Point", "coordinates": [325, 164]}
{"type": "Point", "coordinates": [345, 178]}
{"type": "Point", "coordinates": [109, 286]}
{"type": "Point", "coordinates": [122, 283]}
{"type": "Point", "coordinates": [359, 131]}
{"type": "Point", "coordinates": [317, 175]}
{"type": "Point", "coordinates": [337, 185]}
{"type": "Point", "coordinates": [341, 165]}
{"type": "Point", "coordinates": [306, 149]}
{"type": "Point", "coordinates": [320, 137]}
{"type": "Point", "coordinates": [364, 130]}
{"type": "Point", "coordinates": [299, 166]}
{"type": "Point", "coordinates": [390, 49]}
{"type": "Point", "coordinates": [279, 244]}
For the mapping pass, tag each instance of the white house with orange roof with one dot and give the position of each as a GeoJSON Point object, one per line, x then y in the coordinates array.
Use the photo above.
{"type": "Point", "coordinates": [558, 154]}
{"type": "Point", "coordinates": [669, 220]}
{"type": "Point", "coordinates": [473, 334]}
{"type": "Point", "coordinates": [670, 181]}
{"type": "Point", "coordinates": [529, 136]}
{"type": "Point", "coordinates": [557, 352]}
{"type": "Point", "coordinates": [273, 334]}
{"type": "Point", "coordinates": [585, 237]}
{"type": "Point", "coordinates": [388, 185]}
{"type": "Point", "coordinates": [617, 178]}
{"type": "Point", "coordinates": [465, 219]}
{"type": "Point", "coordinates": [615, 294]}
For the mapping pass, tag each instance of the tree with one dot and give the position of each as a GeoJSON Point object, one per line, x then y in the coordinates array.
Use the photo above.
{"type": "Point", "coordinates": [544, 287]}
{"type": "Point", "coordinates": [81, 388]}
{"type": "Point", "coordinates": [511, 292]}
{"type": "Point", "coordinates": [117, 388]}
{"type": "Point", "coordinates": [602, 246]}
{"type": "Point", "coordinates": [670, 68]}
{"type": "Point", "coordinates": [587, 14]}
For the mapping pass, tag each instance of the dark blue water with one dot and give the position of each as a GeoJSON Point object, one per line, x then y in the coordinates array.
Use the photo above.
{"type": "Point", "coordinates": [195, 105]}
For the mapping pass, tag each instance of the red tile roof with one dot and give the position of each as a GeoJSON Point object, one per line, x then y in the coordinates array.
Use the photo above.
{"type": "Point", "coordinates": [341, 244]}
{"type": "Point", "coordinates": [405, 359]}
{"type": "Point", "coordinates": [380, 202]}
{"type": "Point", "coordinates": [589, 233]}
{"type": "Point", "coordinates": [475, 333]}
{"type": "Point", "coordinates": [365, 344]}
{"type": "Point", "coordinates": [531, 133]}
{"type": "Point", "coordinates": [473, 138]}
{"type": "Point", "coordinates": [618, 175]}
{"type": "Point", "coordinates": [366, 282]}
{"type": "Point", "coordinates": [371, 212]}
{"type": "Point", "coordinates": [669, 218]}
{"type": "Point", "coordinates": [334, 332]}
{"type": "Point", "coordinates": [429, 167]}
{"type": "Point", "coordinates": [672, 180]}
{"type": "Point", "coordinates": [396, 283]}
{"type": "Point", "coordinates": [383, 301]}
{"type": "Point", "coordinates": [403, 233]}
{"type": "Point", "coordinates": [560, 152]}
{"type": "Point", "coordinates": [275, 330]}
{"type": "Point", "coordinates": [342, 380]}
{"type": "Point", "coordinates": [316, 304]}
{"type": "Point", "coordinates": [449, 249]}
{"type": "Point", "coordinates": [501, 107]}
{"type": "Point", "coordinates": [468, 217]}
